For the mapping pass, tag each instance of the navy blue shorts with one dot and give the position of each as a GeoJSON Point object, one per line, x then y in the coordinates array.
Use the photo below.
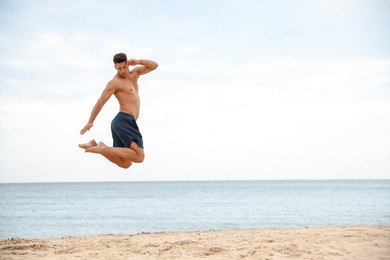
{"type": "Point", "coordinates": [125, 130]}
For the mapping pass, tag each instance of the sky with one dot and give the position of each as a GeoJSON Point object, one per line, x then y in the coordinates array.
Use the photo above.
{"type": "Point", "coordinates": [245, 90]}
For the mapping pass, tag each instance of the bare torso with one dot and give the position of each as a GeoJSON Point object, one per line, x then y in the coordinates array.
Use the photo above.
{"type": "Point", "coordinates": [126, 92]}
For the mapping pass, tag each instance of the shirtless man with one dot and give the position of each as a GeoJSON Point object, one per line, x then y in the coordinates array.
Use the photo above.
{"type": "Point", "coordinates": [128, 145]}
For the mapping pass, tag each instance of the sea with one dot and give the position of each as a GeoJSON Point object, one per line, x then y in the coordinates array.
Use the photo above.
{"type": "Point", "coordinates": [42, 210]}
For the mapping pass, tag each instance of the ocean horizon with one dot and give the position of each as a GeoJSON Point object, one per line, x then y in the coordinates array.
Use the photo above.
{"type": "Point", "coordinates": [41, 210]}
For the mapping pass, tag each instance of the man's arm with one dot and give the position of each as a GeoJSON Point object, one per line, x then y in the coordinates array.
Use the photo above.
{"type": "Point", "coordinates": [146, 66]}
{"type": "Point", "coordinates": [105, 96]}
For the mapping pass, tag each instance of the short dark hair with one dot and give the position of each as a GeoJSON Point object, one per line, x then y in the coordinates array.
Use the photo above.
{"type": "Point", "coordinates": [119, 58]}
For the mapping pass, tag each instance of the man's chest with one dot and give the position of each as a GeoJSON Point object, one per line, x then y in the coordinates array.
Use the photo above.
{"type": "Point", "coordinates": [128, 86]}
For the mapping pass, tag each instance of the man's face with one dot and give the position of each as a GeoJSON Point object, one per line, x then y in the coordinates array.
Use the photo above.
{"type": "Point", "coordinates": [122, 68]}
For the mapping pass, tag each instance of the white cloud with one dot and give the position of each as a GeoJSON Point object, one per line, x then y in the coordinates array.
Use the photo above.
{"type": "Point", "coordinates": [300, 124]}
{"type": "Point", "coordinates": [319, 119]}
{"type": "Point", "coordinates": [231, 99]}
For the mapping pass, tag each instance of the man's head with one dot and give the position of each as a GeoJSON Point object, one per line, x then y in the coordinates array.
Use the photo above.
{"type": "Point", "coordinates": [120, 61]}
{"type": "Point", "coordinates": [119, 58]}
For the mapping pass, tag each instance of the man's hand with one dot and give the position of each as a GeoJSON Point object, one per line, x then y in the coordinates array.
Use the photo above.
{"type": "Point", "coordinates": [86, 128]}
{"type": "Point", "coordinates": [133, 62]}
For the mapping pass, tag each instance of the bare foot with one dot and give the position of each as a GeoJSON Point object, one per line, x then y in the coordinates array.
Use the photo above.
{"type": "Point", "coordinates": [90, 144]}
{"type": "Point", "coordinates": [96, 149]}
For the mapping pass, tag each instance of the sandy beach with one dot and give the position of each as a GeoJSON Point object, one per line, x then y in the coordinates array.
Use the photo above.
{"type": "Point", "coordinates": [293, 243]}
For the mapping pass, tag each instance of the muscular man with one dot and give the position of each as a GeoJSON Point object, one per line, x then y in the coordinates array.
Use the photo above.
{"type": "Point", "coordinates": [128, 145]}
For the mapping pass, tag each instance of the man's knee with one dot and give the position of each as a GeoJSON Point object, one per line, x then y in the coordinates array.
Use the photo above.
{"type": "Point", "coordinates": [140, 158]}
{"type": "Point", "coordinates": [139, 151]}
{"type": "Point", "coordinates": [125, 164]}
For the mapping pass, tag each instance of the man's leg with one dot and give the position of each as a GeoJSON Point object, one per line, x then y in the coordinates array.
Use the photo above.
{"type": "Point", "coordinates": [121, 156]}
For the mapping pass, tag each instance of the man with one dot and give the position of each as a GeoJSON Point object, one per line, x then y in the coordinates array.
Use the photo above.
{"type": "Point", "coordinates": [128, 145]}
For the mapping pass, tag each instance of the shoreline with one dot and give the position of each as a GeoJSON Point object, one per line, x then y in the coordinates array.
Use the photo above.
{"type": "Point", "coordinates": [347, 242]}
